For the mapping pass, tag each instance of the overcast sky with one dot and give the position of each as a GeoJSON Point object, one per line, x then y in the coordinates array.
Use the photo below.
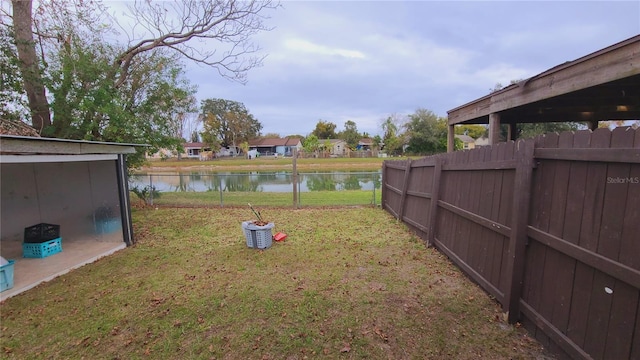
{"type": "Point", "coordinates": [365, 60]}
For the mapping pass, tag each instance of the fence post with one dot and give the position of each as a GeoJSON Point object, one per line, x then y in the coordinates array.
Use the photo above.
{"type": "Point", "coordinates": [383, 197]}
{"type": "Point", "coordinates": [435, 196]}
{"type": "Point", "coordinates": [405, 185]}
{"type": "Point", "coordinates": [150, 189]}
{"type": "Point", "coordinates": [520, 221]}
{"type": "Point", "coordinates": [220, 188]}
{"type": "Point", "coordinates": [295, 178]}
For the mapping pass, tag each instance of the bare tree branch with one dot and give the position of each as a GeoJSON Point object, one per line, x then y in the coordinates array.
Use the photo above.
{"type": "Point", "coordinates": [181, 25]}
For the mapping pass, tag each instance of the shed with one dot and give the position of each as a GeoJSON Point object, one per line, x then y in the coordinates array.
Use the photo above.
{"type": "Point", "coordinates": [81, 186]}
{"type": "Point", "coordinates": [601, 86]}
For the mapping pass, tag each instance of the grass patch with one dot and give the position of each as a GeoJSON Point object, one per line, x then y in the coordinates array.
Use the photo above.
{"type": "Point", "coordinates": [347, 283]}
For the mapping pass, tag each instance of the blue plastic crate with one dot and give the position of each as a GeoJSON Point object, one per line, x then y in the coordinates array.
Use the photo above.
{"type": "Point", "coordinates": [42, 250]}
{"type": "Point", "coordinates": [6, 276]}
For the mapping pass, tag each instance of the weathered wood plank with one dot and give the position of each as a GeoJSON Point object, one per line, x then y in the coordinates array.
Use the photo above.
{"type": "Point", "coordinates": [405, 185]}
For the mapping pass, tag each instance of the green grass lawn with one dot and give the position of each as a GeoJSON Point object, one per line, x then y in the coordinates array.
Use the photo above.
{"type": "Point", "coordinates": [347, 283]}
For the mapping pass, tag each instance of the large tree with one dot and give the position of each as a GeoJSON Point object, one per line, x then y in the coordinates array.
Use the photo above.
{"type": "Point", "coordinates": [350, 134]}
{"type": "Point", "coordinates": [227, 123]}
{"type": "Point", "coordinates": [391, 141]}
{"type": "Point", "coordinates": [325, 130]}
{"type": "Point", "coordinates": [214, 33]}
{"type": "Point", "coordinates": [427, 132]}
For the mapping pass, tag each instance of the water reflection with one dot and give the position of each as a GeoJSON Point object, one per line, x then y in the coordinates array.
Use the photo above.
{"type": "Point", "coordinates": [257, 181]}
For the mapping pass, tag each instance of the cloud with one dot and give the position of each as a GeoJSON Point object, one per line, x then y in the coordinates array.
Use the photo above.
{"type": "Point", "coordinates": [363, 61]}
{"type": "Point", "coordinates": [303, 46]}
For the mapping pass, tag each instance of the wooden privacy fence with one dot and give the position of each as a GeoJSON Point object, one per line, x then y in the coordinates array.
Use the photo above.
{"type": "Point", "coordinates": [550, 227]}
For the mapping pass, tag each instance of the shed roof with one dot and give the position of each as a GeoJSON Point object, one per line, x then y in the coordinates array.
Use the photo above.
{"type": "Point", "coordinates": [28, 145]}
{"type": "Point", "coordinates": [604, 85]}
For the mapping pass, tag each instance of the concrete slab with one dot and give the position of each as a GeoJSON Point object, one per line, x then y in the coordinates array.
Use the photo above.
{"type": "Point", "coordinates": [77, 252]}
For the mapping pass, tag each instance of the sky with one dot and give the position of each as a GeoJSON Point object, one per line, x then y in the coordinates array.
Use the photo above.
{"type": "Point", "coordinates": [367, 60]}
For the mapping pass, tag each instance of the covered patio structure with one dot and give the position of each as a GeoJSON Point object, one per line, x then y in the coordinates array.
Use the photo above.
{"type": "Point", "coordinates": [601, 86]}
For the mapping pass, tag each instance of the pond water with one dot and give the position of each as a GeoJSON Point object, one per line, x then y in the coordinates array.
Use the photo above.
{"type": "Point", "coordinates": [257, 181]}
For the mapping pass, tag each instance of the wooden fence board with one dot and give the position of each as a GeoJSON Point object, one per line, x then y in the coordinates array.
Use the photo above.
{"type": "Point", "coordinates": [599, 310]}
{"type": "Point", "coordinates": [478, 207]}
{"type": "Point", "coordinates": [564, 266]}
{"type": "Point", "coordinates": [583, 273]}
{"type": "Point", "coordinates": [622, 321]}
{"type": "Point", "coordinates": [505, 211]}
{"type": "Point", "coordinates": [630, 246]}
{"type": "Point", "coordinates": [635, 343]}
{"type": "Point", "coordinates": [600, 300]}
{"type": "Point", "coordinates": [518, 236]}
{"type": "Point", "coordinates": [494, 199]}
{"type": "Point", "coordinates": [544, 304]}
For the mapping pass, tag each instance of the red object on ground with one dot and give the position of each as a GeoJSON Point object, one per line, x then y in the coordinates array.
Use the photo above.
{"type": "Point", "coordinates": [280, 236]}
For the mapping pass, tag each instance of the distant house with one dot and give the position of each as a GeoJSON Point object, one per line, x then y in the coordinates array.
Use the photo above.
{"type": "Point", "coordinates": [482, 141]}
{"type": "Point", "coordinates": [467, 141]}
{"type": "Point", "coordinates": [365, 144]}
{"type": "Point", "coordinates": [194, 149]}
{"type": "Point", "coordinates": [280, 146]}
{"type": "Point", "coordinates": [335, 147]}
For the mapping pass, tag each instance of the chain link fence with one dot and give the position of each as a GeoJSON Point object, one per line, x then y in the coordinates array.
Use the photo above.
{"type": "Point", "coordinates": [258, 188]}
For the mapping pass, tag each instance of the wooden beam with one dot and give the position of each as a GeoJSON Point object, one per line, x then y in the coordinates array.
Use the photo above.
{"type": "Point", "coordinates": [451, 138]}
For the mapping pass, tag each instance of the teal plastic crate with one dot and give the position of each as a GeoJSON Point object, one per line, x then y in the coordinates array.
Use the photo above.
{"type": "Point", "coordinates": [107, 226]}
{"type": "Point", "coordinates": [6, 276]}
{"type": "Point", "coordinates": [42, 250]}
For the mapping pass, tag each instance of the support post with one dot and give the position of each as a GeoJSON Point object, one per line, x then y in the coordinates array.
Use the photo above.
{"type": "Point", "coordinates": [520, 220]}
{"type": "Point", "coordinates": [450, 138]}
{"type": "Point", "coordinates": [125, 201]}
{"type": "Point", "coordinates": [494, 128]}
{"type": "Point", "coordinates": [510, 131]}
